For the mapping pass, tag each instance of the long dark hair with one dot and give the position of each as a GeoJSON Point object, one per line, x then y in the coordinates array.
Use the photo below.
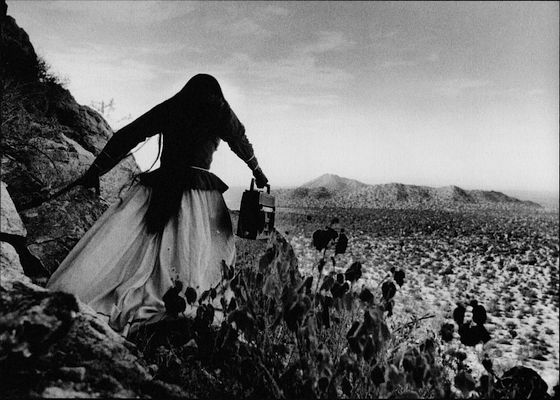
{"type": "Point", "coordinates": [195, 107]}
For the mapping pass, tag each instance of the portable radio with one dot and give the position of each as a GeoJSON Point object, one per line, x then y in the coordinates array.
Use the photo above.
{"type": "Point", "coordinates": [256, 213]}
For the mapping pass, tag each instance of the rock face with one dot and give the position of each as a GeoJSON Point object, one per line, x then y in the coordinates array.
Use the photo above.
{"type": "Point", "coordinates": [14, 252]}
{"type": "Point", "coordinates": [10, 265]}
{"type": "Point", "coordinates": [18, 55]}
{"type": "Point", "coordinates": [10, 222]}
{"type": "Point", "coordinates": [49, 140]}
{"type": "Point", "coordinates": [53, 346]}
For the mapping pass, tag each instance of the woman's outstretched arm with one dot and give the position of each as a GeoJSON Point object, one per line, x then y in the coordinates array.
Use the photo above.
{"type": "Point", "coordinates": [126, 138]}
{"type": "Point", "coordinates": [233, 132]}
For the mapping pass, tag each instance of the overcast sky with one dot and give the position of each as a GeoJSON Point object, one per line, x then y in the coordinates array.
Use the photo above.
{"type": "Point", "coordinates": [420, 93]}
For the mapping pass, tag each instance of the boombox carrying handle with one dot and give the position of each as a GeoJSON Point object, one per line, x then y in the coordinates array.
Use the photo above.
{"type": "Point", "coordinates": [252, 187]}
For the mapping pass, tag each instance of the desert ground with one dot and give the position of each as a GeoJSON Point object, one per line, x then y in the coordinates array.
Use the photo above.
{"type": "Point", "coordinates": [506, 260]}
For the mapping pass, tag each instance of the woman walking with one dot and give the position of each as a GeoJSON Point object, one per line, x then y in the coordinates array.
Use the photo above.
{"type": "Point", "coordinates": [171, 225]}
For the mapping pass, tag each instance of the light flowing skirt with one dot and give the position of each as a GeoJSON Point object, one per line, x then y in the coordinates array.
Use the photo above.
{"type": "Point", "coordinates": [122, 271]}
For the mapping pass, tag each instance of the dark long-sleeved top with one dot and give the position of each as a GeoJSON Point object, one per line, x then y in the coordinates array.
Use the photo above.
{"type": "Point", "coordinates": [197, 135]}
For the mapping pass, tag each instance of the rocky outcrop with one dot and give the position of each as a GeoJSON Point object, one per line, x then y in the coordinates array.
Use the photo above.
{"type": "Point", "coordinates": [10, 265]}
{"type": "Point", "coordinates": [40, 156]}
{"type": "Point", "coordinates": [14, 253]}
{"type": "Point", "coordinates": [49, 140]}
{"type": "Point", "coordinates": [18, 55]}
{"type": "Point", "coordinates": [51, 345]}
{"type": "Point", "coordinates": [10, 222]}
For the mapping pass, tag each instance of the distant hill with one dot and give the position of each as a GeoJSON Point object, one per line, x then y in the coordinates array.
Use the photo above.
{"type": "Point", "coordinates": [548, 199]}
{"type": "Point", "coordinates": [334, 191]}
{"type": "Point", "coordinates": [333, 182]}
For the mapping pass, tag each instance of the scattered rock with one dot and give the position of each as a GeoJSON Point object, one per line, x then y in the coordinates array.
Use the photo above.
{"type": "Point", "coordinates": [10, 266]}
{"type": "Point", "coordinates": [55, 392]}
{"type": "Point", "coordinates": [76, 374]}
{"type": "Point", "coordinates": [15, 257]}
{"type": "Point", "coordinates": [10, 221]}
{"type": "Point", "coordinates": [54, 345]}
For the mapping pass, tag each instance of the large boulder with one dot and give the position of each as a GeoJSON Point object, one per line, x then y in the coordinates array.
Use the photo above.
{"type": "Point", "coordinates": [10, 221]}
{"type": "Point", "coordinates": [10, 266]}
{"type": "Point", "coordinates": [87, 126]}
{"type": "Point", "coordinates": [51, 345]}
{"type": "Point", "coordinates": [15, 255]}
{"type": "Point", "coordinates": [54, 346]}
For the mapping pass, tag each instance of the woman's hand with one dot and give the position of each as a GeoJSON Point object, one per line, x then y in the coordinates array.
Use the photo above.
{"type": "Point", "coordinates": [260, 178]}
{"type": "Point", "coordinates": [90, 180]}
